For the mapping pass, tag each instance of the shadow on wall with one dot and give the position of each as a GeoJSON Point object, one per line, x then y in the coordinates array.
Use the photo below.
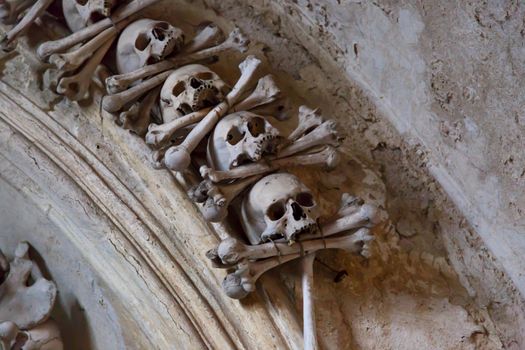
{"type": "Point", "coordinates": [68, 313]}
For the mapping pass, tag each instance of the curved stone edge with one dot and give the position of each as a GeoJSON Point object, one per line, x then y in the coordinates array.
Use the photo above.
{"type": "Point", "coordinates": [136, 250]}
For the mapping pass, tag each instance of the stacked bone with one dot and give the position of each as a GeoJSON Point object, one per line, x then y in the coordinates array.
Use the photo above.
{"type": "Point", "coordinates": [193, 120]}
{"type": "Point", "coordinates": [21, 13]}
{"type": "Point", "coordinates": [139, 76]}
{"type": "Point", "coordinates": [76, 58]}
{"type": "Point", "coordinates": [25, 307]}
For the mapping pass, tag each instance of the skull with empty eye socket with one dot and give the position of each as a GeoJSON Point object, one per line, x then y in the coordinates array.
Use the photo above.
{"type": "Point", "coordinates": [277, 206]}
{"type": "Point", "coordinates": [240, 138]}
{"type": "Point", "coordinates": [189, 89]}
{"type": "Point", "coordinates": [80, 13]}
{"type": "Point", "coordinates": [145, 42]}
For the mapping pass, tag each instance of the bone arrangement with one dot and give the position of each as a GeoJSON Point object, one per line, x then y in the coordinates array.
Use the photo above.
{"type": "Point", "coordinates": [225, 140]}
{"type": "Point", "coordinates": [27, 299]}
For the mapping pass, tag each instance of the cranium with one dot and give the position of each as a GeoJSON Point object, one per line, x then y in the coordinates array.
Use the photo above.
{"type": "Point", "coordinates": [278, 205]}
{"type": "Point", "coordinates": [189, 89]}
{"type": "Point", "coordinates": [239, 138]}
{"type": "Point", "coordinates": [146, 41]}
{"type": "Point", "coordinates": [80, 13]}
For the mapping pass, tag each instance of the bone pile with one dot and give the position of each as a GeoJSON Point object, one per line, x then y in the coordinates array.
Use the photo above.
{"type": "Point", "coordinates": [26, 302]}
{"type": "Point", "coordinates": [224, 140]}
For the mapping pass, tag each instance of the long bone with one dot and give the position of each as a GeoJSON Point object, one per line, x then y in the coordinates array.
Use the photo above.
{"type": "Point", "coordinates": [328, 158]}
{"type": "Point", "coordinates": [72, 60]}
{"type": "Point", "coordinates": [11, 10]}
{"type": "Point", "coordinates": [160, 134]}
{"type": "Point", "coordinates": [138, 117]}
{"type": "Point", "coordinates": [36, 11]}
{"type": "Point", "coordinates": [178, 157]}
{"type": "Point", "coordinates": [349, 204]}
{"type": "Point", "coordinates": [217, 198]}
{"type": "Point", "coordinates": [307, 281]}
{"type": "Point", "coordinates": [123, 12]}
{"type": "Point", "coordinates": [232, 251]}
{"type": "Point", "coordinates": [114, 103]}
{"type": "Point", "coordinates": [308, 120]}
{"type": "Point", "coordinates": [117, 84]}
{"type": "Point", "coordinates": [265, 92]}
{"type": "Point", "coordinates": [76, 87]}
{"type": "Point", "coordinates": [209, 36]}
{"type": "Point", "coordinates": [241, 282]}
{"type": "Point", "coordinates": [325, 134]}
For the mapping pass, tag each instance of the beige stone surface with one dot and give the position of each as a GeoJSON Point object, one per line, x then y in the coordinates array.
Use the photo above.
{"type": "Point", "coordinates": [445, 274]}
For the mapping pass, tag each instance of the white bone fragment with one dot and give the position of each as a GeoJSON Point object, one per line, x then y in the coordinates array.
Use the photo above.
{"type": "Point", "coordinates": [365, 216]}
{"type": "Point", "coordinates": [307, 280]}
{"type": "Point", "coordinates": [76, 87]}
{"type": "Point", "coordinates": [328, 158]}
{"type": "Point", "coordinates": [119, 83]}
{"type": "Point", "coordinates": [52, 77]}
{"type": "Point", "coordinates": [178, 158]}
{"type": "Point", "coordinates": [232, 251]}
{"type": "Point", "coordinates": [325, 134]}
{"type": "Point", "coordinates": [81, 13]}
{"type": "Point", "coordinates": [279, 109]}
{"type": "Point", "coordinates": [217, 198]}
{"type": "Point", "coordinates": [10, 10]}
{"type": "Point", "coordinates": [72, 60]}
{"type": "Point", "coordinates": [308, 120]}
{"type": "Point", "coordinates": [50, 47]}
{"type": "Point", "coordinates": [240, 283]}
{"type": "Point", "coordinates": [25, 305]}
{"type": "Point", "coordinates": [266, 92]}
{"type": "Point", "coordinates": [38, 8]}
{"type": "Point", "coordinates": [8, 333]}
{"type": "Point", "coordinates": [45, 336]}
{"type": "Point", "coordinates": [160, 134]}
{"type": "Point", "coordinates": [209, 35]}
{"type": "Point", "coordinates": [114, 103]}
{"type": "Point", "coordinates": [138, 117]}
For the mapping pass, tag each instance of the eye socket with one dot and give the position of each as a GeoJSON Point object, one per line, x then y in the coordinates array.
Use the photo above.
{"type": "Point", "coordinates": [276, 211]}
{"type": "Point", "coordinates": [256, 126]}
{"type": "Point", "coordinates": [178, 88]}
{"type": "Point", "coordinates": [82, 2]}
{"type": "Point", "coordinates": [305, 199]}
{"type": "Point", "coordinates": [195, 83]}
{"type": "Point", "coordinates": [204, 75]}
{"type": "Point", "coordinates": [234, 136]}
{"type": "Point", "coordinates": [142, 42]}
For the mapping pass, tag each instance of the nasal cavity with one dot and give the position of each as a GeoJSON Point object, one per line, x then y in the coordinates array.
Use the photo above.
{"type": "Point", "coordinates": [195, 83]}
{"type": "Point", "coordinates": [297, 211]}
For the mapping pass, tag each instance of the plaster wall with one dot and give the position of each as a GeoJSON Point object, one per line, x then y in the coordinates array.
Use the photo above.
{"type": "Point", "coordinates": [424, 106]}
{"type": "Point", "coordinates": [448, 76]}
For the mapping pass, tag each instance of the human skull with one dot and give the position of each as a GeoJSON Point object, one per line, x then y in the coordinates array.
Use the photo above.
{"type": "Point", "coordinates": [146, 41]}
{"type": "Point", "coordinates": [239, 138]}
{"type": "Point", "coordinates": [80, 13]}
{"type": "Point", "coordinates": [279, 205]}
{"type": "Point", "coordinates": [189, 89]}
